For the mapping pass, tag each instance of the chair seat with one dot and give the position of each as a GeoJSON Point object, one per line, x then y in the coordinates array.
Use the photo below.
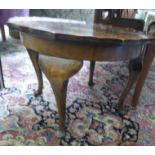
{"type": "Point", "coordinates": [58, 68]}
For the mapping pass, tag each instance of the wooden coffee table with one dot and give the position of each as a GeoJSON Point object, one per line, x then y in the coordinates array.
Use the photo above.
{"type": "Point", "coordinates": [76, 40]}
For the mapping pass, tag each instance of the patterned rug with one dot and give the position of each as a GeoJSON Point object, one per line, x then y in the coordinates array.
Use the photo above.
{"type": "Point", "coordinates": [92, 118]}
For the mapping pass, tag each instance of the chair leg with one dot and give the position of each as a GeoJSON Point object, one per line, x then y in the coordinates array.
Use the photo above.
{"type": "Point", "coordinates": [135, 67]}
{"type": "Point", "coordinates": [34, 58]}
{"type": "Point", "coordinates": [1, 76]}
{"type": "Point", "coordinates": [60, 91]}
{"type": "Point", "coordinates": [91, 72]}
{"type": "Point", "coordinates": [148, 59]}
{"type": "Point", "coordinates": [3, 33]}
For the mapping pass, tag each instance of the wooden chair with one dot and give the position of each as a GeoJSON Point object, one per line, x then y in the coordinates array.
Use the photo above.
{"type": "Point", "coordinates": [135, 66]}
{"type": "Point", "coordinates": [136, 24]}
{"type": "Point", "coordinates": [58, 71]}
{"type": "Point", "coordinates": [149, 57]}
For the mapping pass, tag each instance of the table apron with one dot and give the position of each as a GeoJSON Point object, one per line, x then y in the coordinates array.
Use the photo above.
{"type": "Point", "coordinates": [78, 51]}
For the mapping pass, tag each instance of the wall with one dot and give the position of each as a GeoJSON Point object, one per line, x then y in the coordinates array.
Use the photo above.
{"type": "Point", "coordinates": [77, 14]}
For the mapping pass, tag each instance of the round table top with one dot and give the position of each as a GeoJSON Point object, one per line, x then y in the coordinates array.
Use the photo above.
{"type": "Point", "coordinates": [76, 31]}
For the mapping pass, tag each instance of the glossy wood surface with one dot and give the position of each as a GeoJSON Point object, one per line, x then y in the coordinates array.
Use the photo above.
{"type": "Point", "coordinates": [63, 29]}
{"type": "Point", "coordinates": [77, 40]}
